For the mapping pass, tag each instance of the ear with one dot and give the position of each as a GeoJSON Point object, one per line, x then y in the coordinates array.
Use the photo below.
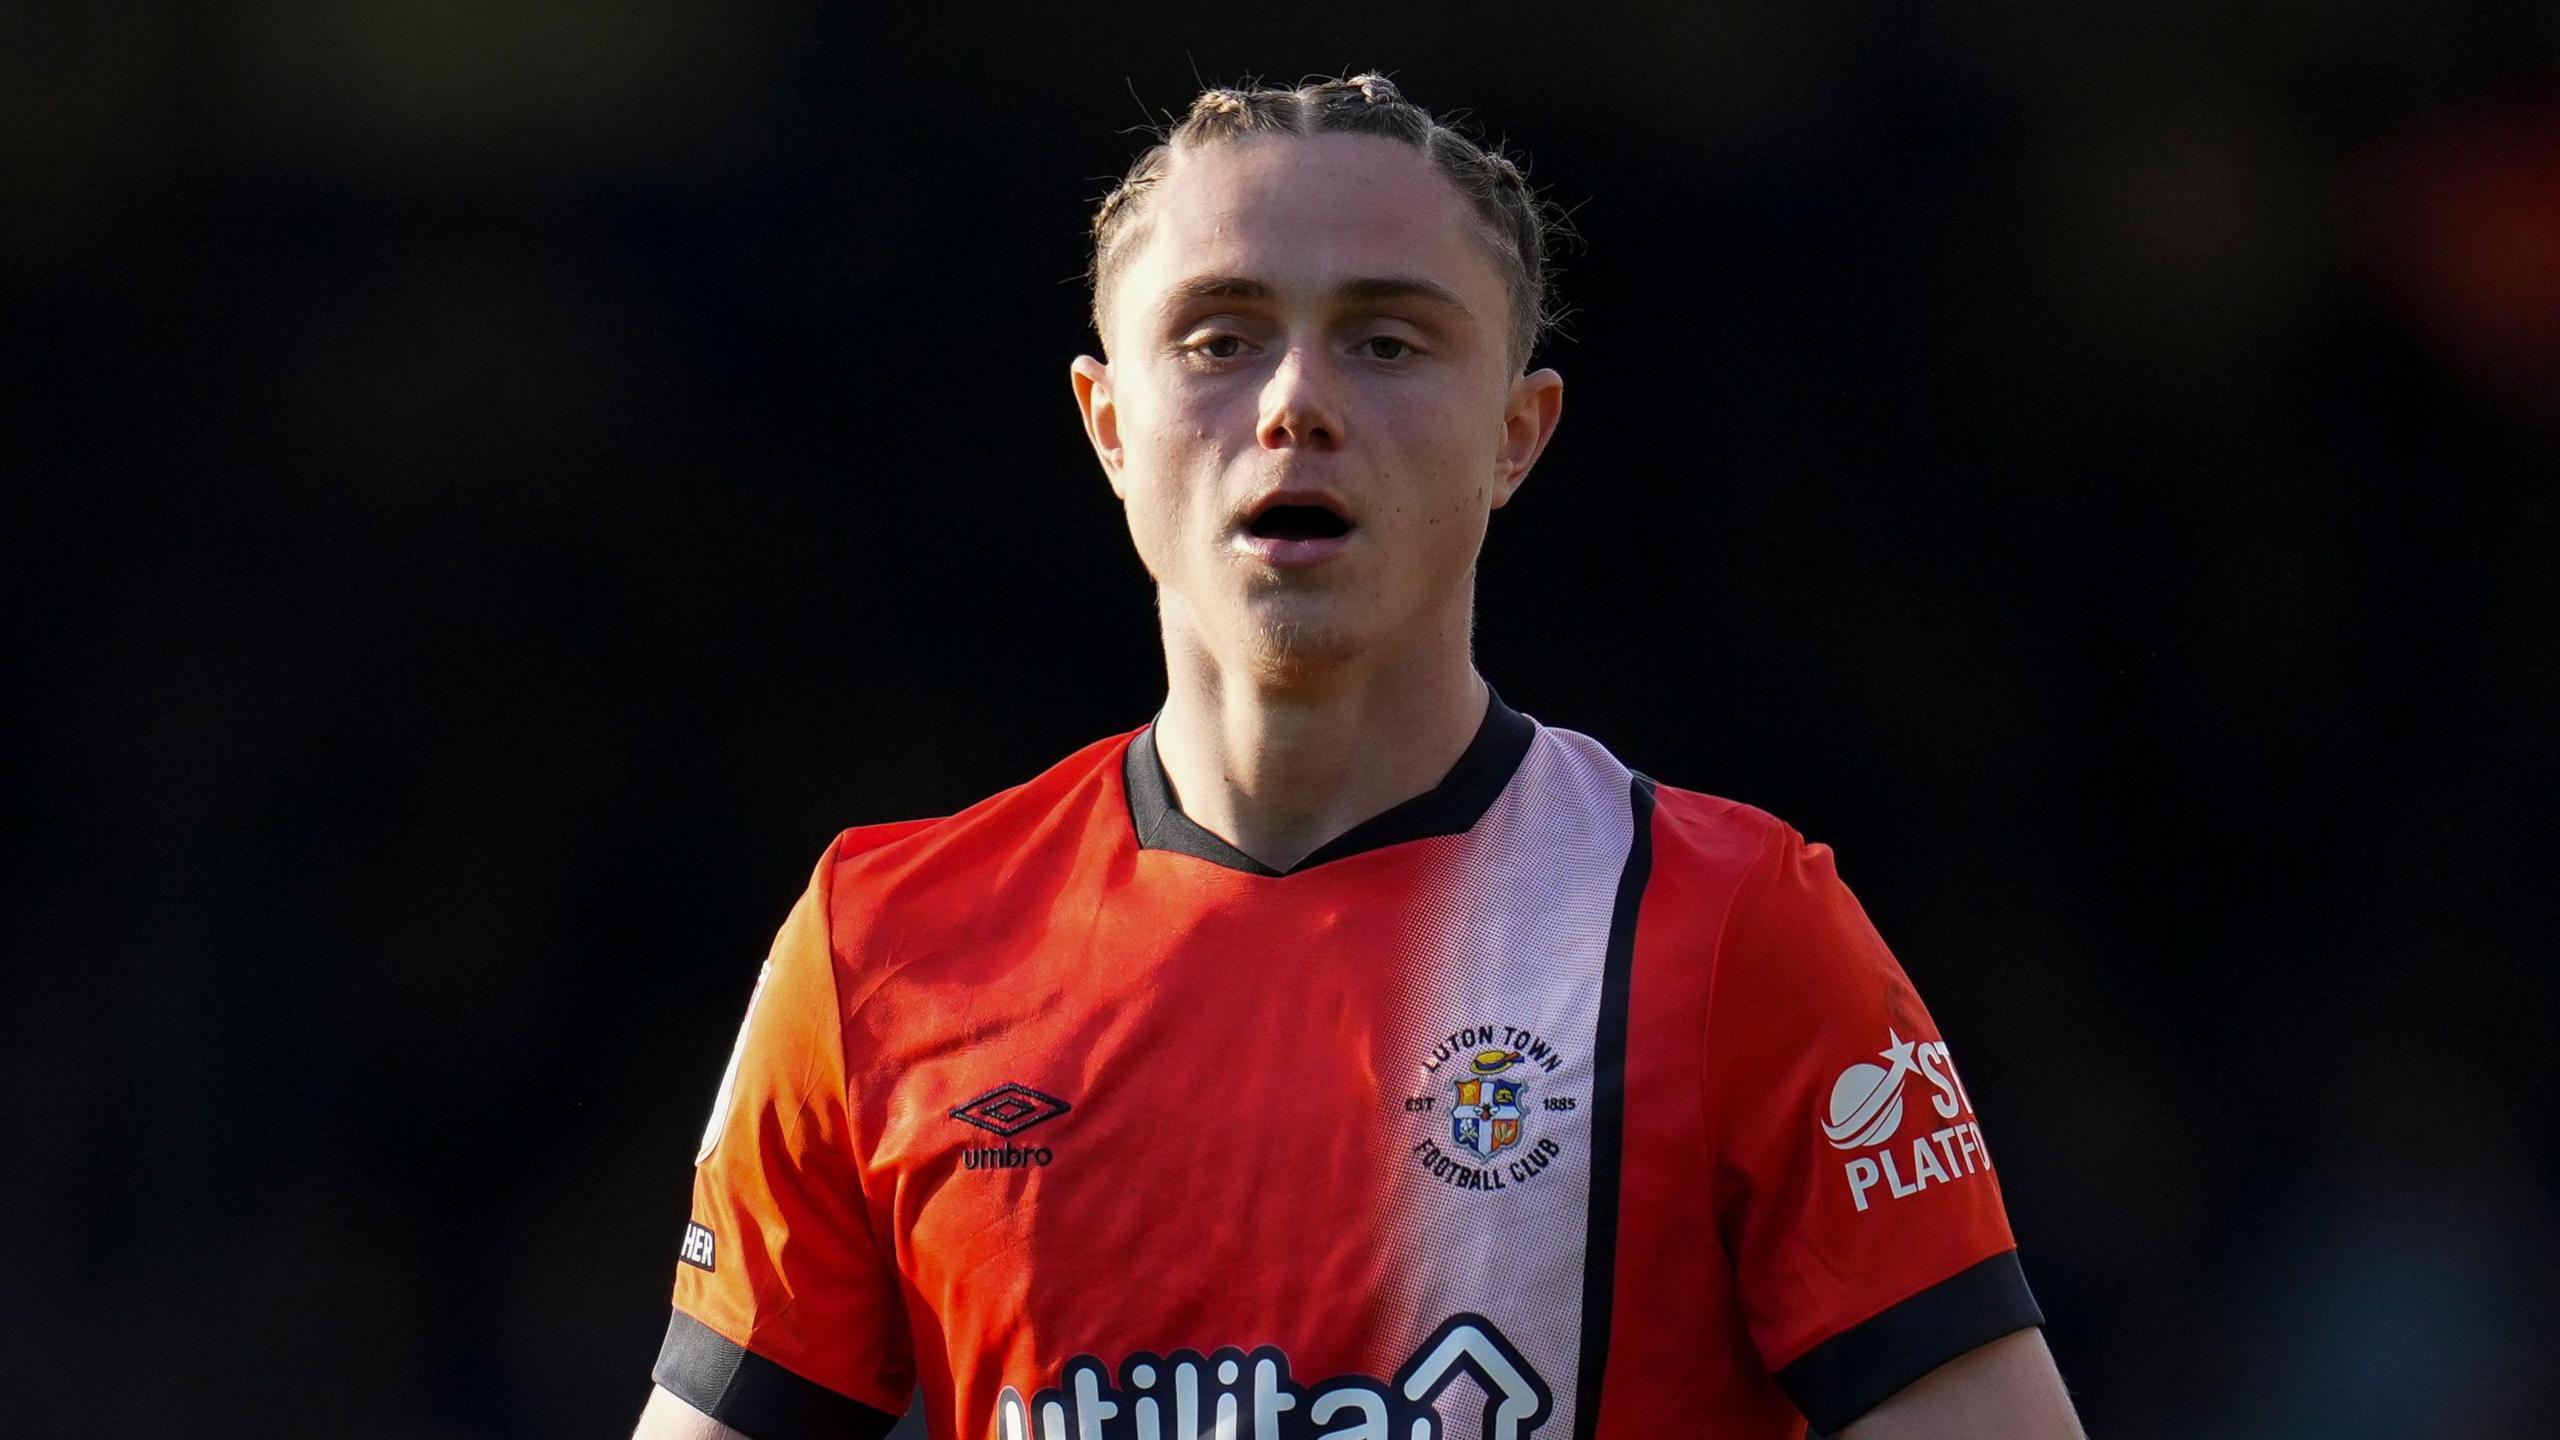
{"type": "Point", "coordinates": [1092, 381]}
{"type": "Point", "coordinates": [1529, 417]}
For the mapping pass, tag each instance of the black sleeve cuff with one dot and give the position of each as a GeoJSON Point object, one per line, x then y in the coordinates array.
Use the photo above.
{"type": "Point", "coordinates": [1858, 1369]}
{"type": "Point", "coordinates": [753, 1395]}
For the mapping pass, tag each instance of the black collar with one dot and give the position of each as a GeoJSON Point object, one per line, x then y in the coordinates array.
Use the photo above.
{"type": "Point", "coordinates": [1451, 807]}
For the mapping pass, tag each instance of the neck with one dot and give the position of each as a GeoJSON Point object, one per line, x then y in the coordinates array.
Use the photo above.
{"type": "Point", "coordinates": [1278, 765]}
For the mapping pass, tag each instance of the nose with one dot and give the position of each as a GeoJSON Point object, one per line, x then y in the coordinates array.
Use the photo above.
{"type": "Point", "coordinates": [1301, 405]}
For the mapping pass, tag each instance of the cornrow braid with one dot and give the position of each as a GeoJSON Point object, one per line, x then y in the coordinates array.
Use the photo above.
{"type": "Point", "coordinates": [1367, 104]}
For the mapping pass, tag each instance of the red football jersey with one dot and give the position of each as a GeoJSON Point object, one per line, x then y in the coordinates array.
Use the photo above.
{"type": "Point", "coordinates": [1550, 1103]}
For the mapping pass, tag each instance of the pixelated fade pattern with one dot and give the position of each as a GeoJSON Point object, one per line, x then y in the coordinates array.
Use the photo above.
{"type": "Point", "coordinates": [1515, 934]}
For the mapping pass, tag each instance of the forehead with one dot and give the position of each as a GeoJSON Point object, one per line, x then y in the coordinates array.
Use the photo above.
{"type": "Point", "coordinates": [1301, 214]}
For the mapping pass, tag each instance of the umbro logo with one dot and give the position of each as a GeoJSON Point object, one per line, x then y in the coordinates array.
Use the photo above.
{"type": "Point", "coordinates": [1009, 1110]}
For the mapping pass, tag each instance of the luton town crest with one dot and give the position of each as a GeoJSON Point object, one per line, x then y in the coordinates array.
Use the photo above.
{"type": "Point", "coordinates": [1486, 1116]}
{"type": "Point", "coordinates": [1479, 1075]}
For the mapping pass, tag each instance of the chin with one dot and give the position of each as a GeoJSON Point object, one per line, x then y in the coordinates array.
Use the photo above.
{"type": "Point", "coordinates": [1288, 649]}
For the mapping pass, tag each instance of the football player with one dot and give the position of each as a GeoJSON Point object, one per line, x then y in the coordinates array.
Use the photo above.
{"type": "Point", "coordinates": [1343, 1054]}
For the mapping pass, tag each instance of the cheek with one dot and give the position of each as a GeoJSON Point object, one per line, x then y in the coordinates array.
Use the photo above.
{"type": "Point", "coordinates": [1166, 422]}
{"type": "Point", "coordinates": [1147, 503]}
{"type": "Point", "coordinates": [1460, 488]}
{"type": "Point", "coordinates": [1174, 470]}
{"type": "Point", "coordinates": [1448, 517]}
{"type": "Point", "coordinates": [1159, 503]}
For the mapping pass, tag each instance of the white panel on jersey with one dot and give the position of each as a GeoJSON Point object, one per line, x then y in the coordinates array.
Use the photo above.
{"type": "Point", "coordinates": [1509, 955]}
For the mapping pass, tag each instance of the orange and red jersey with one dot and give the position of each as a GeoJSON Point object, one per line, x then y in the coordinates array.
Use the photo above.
{"type": "Point", "coordinates": [1552, 1103]}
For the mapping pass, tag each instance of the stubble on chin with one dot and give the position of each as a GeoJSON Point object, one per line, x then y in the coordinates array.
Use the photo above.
{"type": "Point", "coordinates": [1280, 652]}
{"type": "Point", "coordinates": [1281, 632]}
{"type": "Point", "coordinates": [1286, 650]}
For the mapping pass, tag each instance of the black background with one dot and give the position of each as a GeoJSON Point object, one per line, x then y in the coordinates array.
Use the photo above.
{"type": "Point", "coordinates": [493, 488]}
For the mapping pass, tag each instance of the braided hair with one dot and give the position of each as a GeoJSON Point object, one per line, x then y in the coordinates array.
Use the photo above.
{"type": "Point", "coordinates": [1518, 221]}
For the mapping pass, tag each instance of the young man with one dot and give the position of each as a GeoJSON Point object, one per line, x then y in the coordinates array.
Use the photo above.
{"type": "Point", "coordinates": [1345, 1054]}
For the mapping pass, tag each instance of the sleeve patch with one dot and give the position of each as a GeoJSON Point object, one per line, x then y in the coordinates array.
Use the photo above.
{"type": "Point", "coordinates": [700, 1248]}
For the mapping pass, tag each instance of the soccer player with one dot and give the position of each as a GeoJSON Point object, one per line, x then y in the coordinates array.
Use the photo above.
{"type": "Point", "coordinates": [1345, 1055]}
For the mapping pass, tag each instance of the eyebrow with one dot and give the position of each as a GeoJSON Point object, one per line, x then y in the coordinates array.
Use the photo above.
{"type": "Point", "coordinates": [1364, 290]}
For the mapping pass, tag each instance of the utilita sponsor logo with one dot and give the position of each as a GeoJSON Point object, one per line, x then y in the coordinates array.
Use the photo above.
{"type": "Point", "coordinates": [1866, 1113]}
{"type": "Point", "coordinates": [1235, 1395]}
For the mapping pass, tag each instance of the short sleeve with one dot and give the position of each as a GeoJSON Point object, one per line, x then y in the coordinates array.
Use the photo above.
{"type": "Point", "coordinates": [1853, 1188]}
{"type": "Point", "coordinates": [788, 1324]}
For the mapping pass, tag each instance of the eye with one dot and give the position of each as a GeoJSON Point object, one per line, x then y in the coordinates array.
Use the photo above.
{"type": "Point", "coordinates": [1397, 349]}
{"type": "Point", "coordinates": [1214, 345]}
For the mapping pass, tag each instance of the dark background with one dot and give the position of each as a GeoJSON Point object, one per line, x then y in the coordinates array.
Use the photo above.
{"type": "Point", "coordinates": [492, 488]}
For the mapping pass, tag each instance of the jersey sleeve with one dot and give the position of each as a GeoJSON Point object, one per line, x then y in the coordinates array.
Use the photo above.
{"type": "Point", "coordinates": [1853, 1187]}
{"type": "Point", "coordinates": [789, 1322]}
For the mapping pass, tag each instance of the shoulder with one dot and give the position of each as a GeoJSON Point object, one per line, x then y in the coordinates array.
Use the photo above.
{"type": "Point", "coordinates": [1690, 832]}
{"type": "Point", "coordinates": [1770, 873]}
{"type": "Point", "coordinates": [1762, 914]}
{"type": "Point", "coordinates": [1697, 852]}
{"type": "Point", "coordinates": [1729, 885]}
{"type": "Point", "coordinates": [1715, 868]}
{"type": "Point", "coordinates": [1702, 836]}
{"type": "Point", "coordinates": [887, 880]}
{"type": "Point", "coordinates": [866, 854]}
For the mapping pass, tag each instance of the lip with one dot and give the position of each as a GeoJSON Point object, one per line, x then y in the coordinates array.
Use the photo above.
{"type": "Point", "coordinates": [1293, 554]}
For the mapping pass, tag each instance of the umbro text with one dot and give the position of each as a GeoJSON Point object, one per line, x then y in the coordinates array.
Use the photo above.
{"type": "Point", "coordinates": [1005, 1157]}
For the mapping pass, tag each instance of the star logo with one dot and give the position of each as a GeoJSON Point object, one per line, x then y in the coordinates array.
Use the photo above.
{"type": "Point", "coordinates": [1897, 1053]}
{"type": "Point", "coordinates": [1866, 1101]}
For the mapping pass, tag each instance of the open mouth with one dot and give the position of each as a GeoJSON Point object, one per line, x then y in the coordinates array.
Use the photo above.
{"type": "Point", "coordinates": [1298, 522]}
